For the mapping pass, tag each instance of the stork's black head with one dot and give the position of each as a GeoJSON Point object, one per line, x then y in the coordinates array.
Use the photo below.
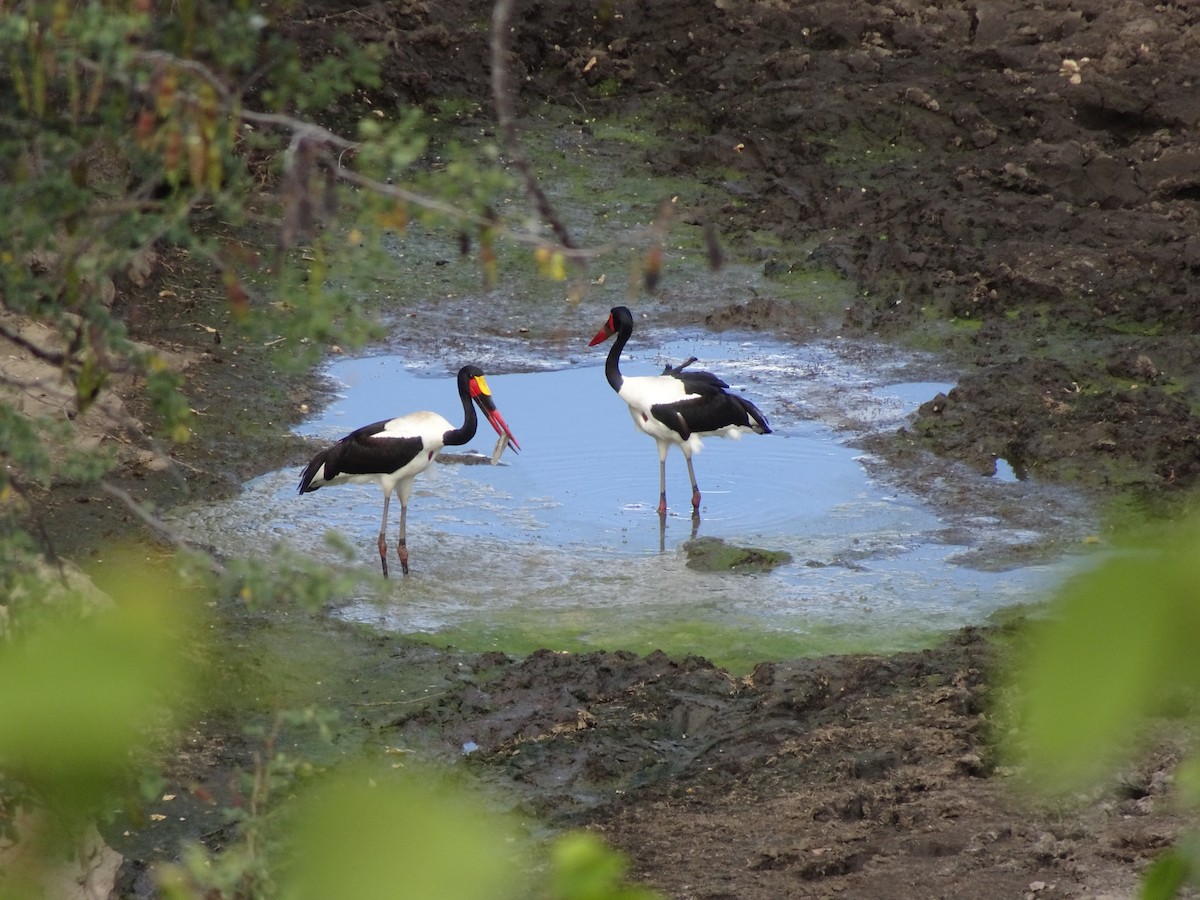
{"type": "Point", "coordinates": [620, 320]}
{"type": "Point", "coordinates": [472, 383]}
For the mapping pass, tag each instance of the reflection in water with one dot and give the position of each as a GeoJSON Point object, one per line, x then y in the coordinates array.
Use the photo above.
{"type": "Point", "coordinates": [662, 530]}
{"type": "Point", "coordinates": [570, 527]}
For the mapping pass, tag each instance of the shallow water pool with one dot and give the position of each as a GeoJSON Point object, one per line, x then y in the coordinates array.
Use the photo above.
{"type": "Point", "coordinates": [561, 546]}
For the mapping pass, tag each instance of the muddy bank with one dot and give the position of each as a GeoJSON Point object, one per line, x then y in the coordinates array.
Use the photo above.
{"type": "Point", "coordinates": [872, 776]}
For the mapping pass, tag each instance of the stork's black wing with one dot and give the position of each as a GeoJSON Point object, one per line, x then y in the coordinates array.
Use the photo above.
{"type": "Point", "coordinates": [362, 452]}
{"type": "Point", "coordinates": [710, 413]}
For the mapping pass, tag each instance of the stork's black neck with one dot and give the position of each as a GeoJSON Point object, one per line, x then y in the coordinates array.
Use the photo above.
{"type": "Point", "coordinates": [612, 367]}
{"type": "Point", "coordinates": [456, 437]}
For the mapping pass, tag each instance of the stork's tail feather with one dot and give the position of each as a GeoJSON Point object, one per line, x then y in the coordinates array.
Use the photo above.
{"type": "Point", "coordinates": [310, 472]}
{"type": "Point", "coordinates": [753, 412]}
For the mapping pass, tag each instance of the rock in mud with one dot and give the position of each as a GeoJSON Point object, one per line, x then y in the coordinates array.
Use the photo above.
{"type": "Point", "coordinates": [708, 554]}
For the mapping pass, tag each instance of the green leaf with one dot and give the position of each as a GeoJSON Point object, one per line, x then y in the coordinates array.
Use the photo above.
{"type": "Point", "coordinates": [380, 833]}
{"type": "Point", "coordinates": [1119, 642]}
{"type": "Point", "coordinates": [79, 695]}
{"type": "Point", "coordinates": [585, 868]}
{"type": "Point", "coordinates": [1166, 876]}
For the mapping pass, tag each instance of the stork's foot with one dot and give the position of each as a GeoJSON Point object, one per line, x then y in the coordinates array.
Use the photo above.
{"type": "Point", "coordinates": [402, 552]}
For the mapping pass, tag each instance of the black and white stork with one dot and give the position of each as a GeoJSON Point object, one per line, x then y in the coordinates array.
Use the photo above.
{"type": "Point", "coordinates": [393, 452]}
{"type": "Point", "coordinates": [677, 407]}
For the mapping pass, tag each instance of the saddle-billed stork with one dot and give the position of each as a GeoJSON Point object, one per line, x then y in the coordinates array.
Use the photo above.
{"type": "Point", "coordinates": [393, 452]}
{"type": "Point", "coordinates": [677, 407]}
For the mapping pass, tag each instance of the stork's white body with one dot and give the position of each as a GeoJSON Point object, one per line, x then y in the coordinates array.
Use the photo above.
{"type": "Point", "coordinates": [644, 392]}
{"type": "Point", "coordinates": [427, 427]}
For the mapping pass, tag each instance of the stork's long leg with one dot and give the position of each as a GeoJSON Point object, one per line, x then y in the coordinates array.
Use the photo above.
{"type": "Point", "coordinates": [387, 498]}
{"type": "Point", "coordinates": [695, 487]}
{"type": "Point", "coordinates": [402, 545]}
{"type": "Point", "coordinates": [662, 483]}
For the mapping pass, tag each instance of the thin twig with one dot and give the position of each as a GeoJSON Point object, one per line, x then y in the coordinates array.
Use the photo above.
{"type": "Point", "coordinates": [630, 237]}
{"type": "Point", "coordinates": [227, 100]}
{"type": "Point", "coordinates": [406, 702]}
{"type": "Point", "coordinates": [154, 523]}
{"type": "Point", "coordinates": [27, 385]}
{"type": "Point", "coordinates": [507, 122]}
{"type": "Point", "coordinates": [305, 131]}
{"type": "Point", "coordinates": [35, 510]}
{"type": "Point", "coordinates": [50, 356]}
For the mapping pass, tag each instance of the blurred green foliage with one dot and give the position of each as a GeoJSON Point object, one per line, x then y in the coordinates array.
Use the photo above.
{"type": "Point", "coordinates": [369, 829]}
{"type": "Point", "coordinates": [88, 686]}
{"type": "Point", "coordinates": [584, 868]}
{"type": "Point", "coordinates": [1115, 653]}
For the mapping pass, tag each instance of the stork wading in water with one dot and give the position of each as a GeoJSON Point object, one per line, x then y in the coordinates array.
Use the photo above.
{"type": "Point", "coordinates": [678, 407]}
{"type": "Point", "coordinates": [392, 453]}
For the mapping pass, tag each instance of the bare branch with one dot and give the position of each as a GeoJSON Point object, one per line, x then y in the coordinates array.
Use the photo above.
{"type": "Point", "coordinates": [308, 135]}
{"type": "Point", "coordinates": [47, 542]}
{"type": "Point", "coordinates": [631, 238]}
{"type": "Point", "coordinates": [411, 197]}
{"type": "Point", "coordinates": [52, 357]}
{"type": "Point", "coordinates": [163, 58]}
{"type": "Point", "coordinates": [154, 523]}
{"type": "Point", "coordinates": [28, 384]}
{"type": "Point", "coordinates": [507, 122]}
{"type": "Point", "coordinates": [299, 127]}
